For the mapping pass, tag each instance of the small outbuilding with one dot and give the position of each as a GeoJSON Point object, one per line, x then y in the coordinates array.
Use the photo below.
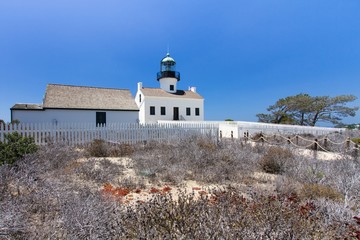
{"type": "Point", "coordinates": [79, 104]}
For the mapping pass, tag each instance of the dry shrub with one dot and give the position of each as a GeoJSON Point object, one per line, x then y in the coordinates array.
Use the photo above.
{"type": "Point", "coordinates": [314, 191]}
{"type": "Point", "coordinates": [98, 170]}
{"type": "Point", "coordinates": [41, 196]}
{"type": "Point", "coordinates": [121, 150]}
{"type": "Point", "coordinates": [195, 158]}
{"type": "Point", "coordinates": [275, 159]}
{"type": "Point", "coordinates": [287, 186]}
{"type": "Point", "coordinates": [206, 145]}
{"type": "Point", "coordinates": [98, 148]}
{"type": "Point", "coordinates": [226, 214]}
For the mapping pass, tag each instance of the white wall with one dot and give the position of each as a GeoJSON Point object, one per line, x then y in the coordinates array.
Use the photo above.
{"type": "Point", "coordinates": [166, 82]}
{"type": "Point", "coordinates": [83, 116]}
{"type": "Point", "coordinates": [169, 104]}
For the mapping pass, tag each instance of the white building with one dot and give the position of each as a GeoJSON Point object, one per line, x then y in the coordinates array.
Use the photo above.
{"type": "Point", "coordinates": [77, 104]}
{"type": "Point", "coordinates": [168, 102]}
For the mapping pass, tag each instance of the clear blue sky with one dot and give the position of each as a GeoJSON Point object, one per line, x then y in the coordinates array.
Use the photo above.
{"type": "Point", "coordinates": [241, 55]}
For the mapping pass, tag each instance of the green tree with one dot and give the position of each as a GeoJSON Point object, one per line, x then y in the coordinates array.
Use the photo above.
{"type": "Point", "coordinates": [303, 109]}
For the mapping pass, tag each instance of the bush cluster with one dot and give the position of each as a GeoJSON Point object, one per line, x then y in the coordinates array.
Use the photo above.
{"type": "Point", "coordinates": [275, 159]}
{"type": "Point", "coordinates": [229, 215]}
{"type": "Point", "coordinates": [15, 147]}
{"type": "Point", "coordinates": [60, 192]}
{"type": "Point", "coordinates": [196, 158]}
{"type": "Point", "coordinates": [100, 148]}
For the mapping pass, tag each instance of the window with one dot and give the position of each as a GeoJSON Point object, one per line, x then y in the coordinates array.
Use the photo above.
{"type": "Point", "coordinates": [188, 111]}
{"type": "Point", "coordinates": [163, 110]}
{"type": "Point", "coordinates": [139, 97]}
{"type": "Point", "coordinates": [100, 118]}
{"type": "Point", "coordinates": [152, 110]}
{"type": "Point", "coordinates": [197, 111]}
{"type": "Point", "coordinates": [171, 87]}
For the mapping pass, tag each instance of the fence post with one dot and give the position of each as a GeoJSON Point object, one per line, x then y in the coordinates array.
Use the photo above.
{"type": "Point", "coordinates": [325, 142]}
{"type": "Point", "coordinates": [262, 139]}
{"type": "Point", "coordinates": [232, 135]}
{"type": "Point", "coordinates": [316, 144]}
{"type": "Point", "coordinates": [347, 143]}
{"type": "Point", "coordinates": [288, 140]}
{"type": "Point", "coordinates": [356, 151]}
{"type": "Point", "coordinates": [297, 140]}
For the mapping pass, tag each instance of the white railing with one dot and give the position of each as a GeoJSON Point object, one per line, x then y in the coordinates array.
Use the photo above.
{"type": "Point", "coordinates": [81, 133]}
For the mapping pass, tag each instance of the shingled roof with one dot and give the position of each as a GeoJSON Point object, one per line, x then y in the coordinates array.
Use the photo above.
{"type": "Point", "coordinates": [79, 97]}
{"type": "Point", "coordinates": [158, 92]}
{"type": "Point", "coordinates": [27, 106]}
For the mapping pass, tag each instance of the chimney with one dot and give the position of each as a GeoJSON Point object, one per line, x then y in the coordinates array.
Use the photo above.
{"type": "Point", "coordinates": [193, 89]}
{"type": "Point", "coordinates": [140, 85]}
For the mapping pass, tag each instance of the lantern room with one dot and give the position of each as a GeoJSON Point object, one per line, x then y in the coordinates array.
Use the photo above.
{"type": "Point", "coordinates": [168, 68]}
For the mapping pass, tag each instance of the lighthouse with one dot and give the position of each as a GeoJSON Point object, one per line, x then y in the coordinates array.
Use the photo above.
{"type": "Point", "coordinates": [168, 76]}
{"type": "Point", "coordinates": [168, 102]}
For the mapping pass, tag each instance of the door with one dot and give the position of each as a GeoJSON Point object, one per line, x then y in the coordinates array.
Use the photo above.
{"type": "Point", "coordinates": [100, 118]}
{"type": "Point", "coordinates": [176, 113]}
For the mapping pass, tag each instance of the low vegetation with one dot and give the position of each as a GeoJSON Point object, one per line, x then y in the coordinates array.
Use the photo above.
{"type": "Point", "coordinates": [15, 147]}
{"type": "Point", "coordinates": [248, 191]}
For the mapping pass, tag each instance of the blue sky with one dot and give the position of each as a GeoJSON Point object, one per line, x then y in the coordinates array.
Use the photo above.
{"type": "Point", "coordinates": [241, 55]}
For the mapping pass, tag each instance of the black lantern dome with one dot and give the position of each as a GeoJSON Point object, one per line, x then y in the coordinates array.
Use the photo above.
{"type": "Point", "coordinates": [168, 68]}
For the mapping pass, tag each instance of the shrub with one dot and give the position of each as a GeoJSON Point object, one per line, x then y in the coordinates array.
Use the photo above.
{"type": "Point", "coordinates": [228, 215]}
{"type": "Point", "coordinates": [15, 147]}
{"type": "Point", "coordinates": [98, 148]}
{"type": "Point", "coordinates": [314, 191]}
{"type": "Point", "coordinates": [356, 140]}
{"type": "Point", "coordinates": [121, 150]}
{"type": "Point", "coordinates": [99, 170]}
{"type": "Point", "coordinates": [275, 159]}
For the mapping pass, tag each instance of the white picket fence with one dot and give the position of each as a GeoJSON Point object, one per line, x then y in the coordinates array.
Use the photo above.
{"type": "Point", "coordinates": [81, 133]}
{"type": "Point", "coordinates": [266, 128]}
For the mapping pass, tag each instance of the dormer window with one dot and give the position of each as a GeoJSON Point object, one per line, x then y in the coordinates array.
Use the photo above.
{"type": "Point", "coordinates": [171, 87]}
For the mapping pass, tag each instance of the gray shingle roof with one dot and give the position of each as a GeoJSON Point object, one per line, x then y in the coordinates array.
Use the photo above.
{"type": "Point", "coordinates": [158, 92]}
{"type": "Point", "coordinates": [79, 97]}
{"type": "Point", "coordinates": [27, 106]}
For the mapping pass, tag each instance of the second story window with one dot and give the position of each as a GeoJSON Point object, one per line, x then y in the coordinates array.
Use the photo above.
{"type": "Point", "coordinates": [139, 97]}
{"type": "Point", "coordinates": [171, 87]}
{"type": "Point", "coordinates": [197, 111]}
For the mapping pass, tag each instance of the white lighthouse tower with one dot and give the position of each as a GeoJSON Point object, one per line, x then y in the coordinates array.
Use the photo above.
{"type": "Point", "coordinates": [168, 76]}
{"type": "Point", "coordinates": [168, 103]}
